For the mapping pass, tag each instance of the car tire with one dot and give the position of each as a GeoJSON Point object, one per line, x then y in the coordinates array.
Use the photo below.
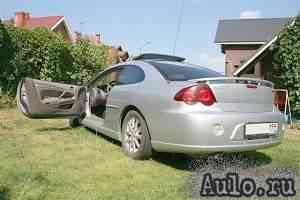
{"type": "Point", "coordinates": [74, 122]}
{"type": "Point", "coordinates": [136, 142]}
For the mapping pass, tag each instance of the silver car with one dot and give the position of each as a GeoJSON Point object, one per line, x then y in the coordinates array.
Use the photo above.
{"type": "Point", "coordinates": [159, 102]}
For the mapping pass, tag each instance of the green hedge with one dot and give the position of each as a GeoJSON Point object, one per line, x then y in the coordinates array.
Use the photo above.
{"type": "Point", "coordinates": [45, 55]}
{"type": "Point", "coordinates": [286, 62]}
{"type": "Point", "coordinates": [86, 61]}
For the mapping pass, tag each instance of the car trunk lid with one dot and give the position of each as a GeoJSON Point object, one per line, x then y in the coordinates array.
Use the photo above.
{"type": "Point", "coordinates": [241, 94]}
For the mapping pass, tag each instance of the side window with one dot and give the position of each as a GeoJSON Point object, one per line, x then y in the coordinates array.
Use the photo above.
{"type": "Point", "coordinates": [130, 74]}
{"type": "Point", "coordinates": [107, 78]}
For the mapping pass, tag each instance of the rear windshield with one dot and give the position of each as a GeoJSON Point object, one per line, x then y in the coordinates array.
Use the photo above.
{"type": "Point", "coordinates": [183, 72]}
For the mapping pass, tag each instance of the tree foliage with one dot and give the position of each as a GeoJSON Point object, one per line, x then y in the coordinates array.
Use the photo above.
{"type": "Point", "coordinates": [92, 57]}
{"type": "Point", "coordinates": [45, 55]}
{"type": "Point", "coordinates": [286, 62]}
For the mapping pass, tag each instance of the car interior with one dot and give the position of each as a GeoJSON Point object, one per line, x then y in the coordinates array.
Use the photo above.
{"type": "Point", "coordinates": [99, 91]}
{"type": "Point", "coordinates": [57, 95]}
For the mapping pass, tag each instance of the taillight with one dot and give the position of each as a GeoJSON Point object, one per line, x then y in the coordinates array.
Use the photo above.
{"type": "Point", "coordinates": [197, 93]}
{"type": "Point", "coordinates": [251, 86]}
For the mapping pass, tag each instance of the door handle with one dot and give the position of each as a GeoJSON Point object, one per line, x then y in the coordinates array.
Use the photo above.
{"type": "Point", "coordinates": [62, 94]}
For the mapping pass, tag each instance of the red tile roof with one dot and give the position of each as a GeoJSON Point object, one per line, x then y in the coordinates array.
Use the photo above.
{"type": "Point", "coordinates": [47, 22]}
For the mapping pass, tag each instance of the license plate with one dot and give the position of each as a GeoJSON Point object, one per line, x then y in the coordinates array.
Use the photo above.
{"type": "Point", "coordinates": [261, 128]}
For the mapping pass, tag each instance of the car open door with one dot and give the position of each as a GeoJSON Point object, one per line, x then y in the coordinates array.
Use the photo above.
{"type": "Point", "coordinates": [44, 99]}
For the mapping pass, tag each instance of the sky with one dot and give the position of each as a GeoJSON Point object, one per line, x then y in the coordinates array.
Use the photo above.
{"type": "Point", "coordinates": [151, 25]}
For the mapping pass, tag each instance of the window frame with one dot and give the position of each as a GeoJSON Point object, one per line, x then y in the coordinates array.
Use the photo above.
{"type": "Point", "coordinates": [116, 68]}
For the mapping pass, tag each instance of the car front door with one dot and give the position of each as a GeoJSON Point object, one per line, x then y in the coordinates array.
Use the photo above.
{"type": "Point", "coordinates": [122, 93]}
{"type": "Point", "coordinates": [44, 99]}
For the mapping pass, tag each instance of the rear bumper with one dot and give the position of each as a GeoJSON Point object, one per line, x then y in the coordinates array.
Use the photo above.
{"type": "Point", "coordinates": [196, 149]}
{"type": "Point", "coordinates": [193, 133]}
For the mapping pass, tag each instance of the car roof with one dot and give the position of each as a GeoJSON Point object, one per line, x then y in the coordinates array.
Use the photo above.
{"type": "Point", "coordinates": [182, 64]}
{"type": "Point", "coordinates": [151, 62]}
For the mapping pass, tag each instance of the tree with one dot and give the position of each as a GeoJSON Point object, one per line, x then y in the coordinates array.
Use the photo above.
{"type": "Point", "coordinates": [286, 62]}
{"type": "Point", "coordinates": [88, 59]}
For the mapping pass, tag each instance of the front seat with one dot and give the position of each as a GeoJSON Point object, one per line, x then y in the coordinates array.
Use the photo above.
{"type": "Point", "coordinates": [97, 97]}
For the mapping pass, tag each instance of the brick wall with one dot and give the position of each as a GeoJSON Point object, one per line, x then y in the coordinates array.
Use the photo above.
{"type": "Point", "coordinates": [235, 55]}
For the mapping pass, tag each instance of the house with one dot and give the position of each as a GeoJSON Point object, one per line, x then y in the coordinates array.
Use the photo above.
{"type": "Point", "coordinates": [117, 55]}
{"type": "Point", "coordinates": [54, 23]}
{"type": "Point", "coordinates": [246, 44]}
{"type": "Point", "coordinates": [59, 24]}
{"type": "Point", "coordinates": [94, 39]}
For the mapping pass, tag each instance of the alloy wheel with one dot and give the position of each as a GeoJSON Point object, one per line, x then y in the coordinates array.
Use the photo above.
{"type": "Point", "coordinates": [133, 135]}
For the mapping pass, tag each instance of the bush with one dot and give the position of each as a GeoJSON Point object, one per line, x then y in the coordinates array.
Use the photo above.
{"type": "Point", "coordinates": [92, 57]}
{"type": "Point", "coordinates": [51, 55]}
{"type": "Point", "coordinates": [15, 58]}
{"type": "Point", "coordinates": [43, 54]}
{"type": "Point", "coordinates": [286, 62]}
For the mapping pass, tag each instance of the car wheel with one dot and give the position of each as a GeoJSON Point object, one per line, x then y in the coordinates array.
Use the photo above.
{"type": "Point", "coordinates": [136, 141]}
{"type": "Point", "coordinates": [74, 122]}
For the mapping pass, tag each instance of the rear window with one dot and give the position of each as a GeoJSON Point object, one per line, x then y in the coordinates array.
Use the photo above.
{"type": "Point", "coordinates": [182, 71]}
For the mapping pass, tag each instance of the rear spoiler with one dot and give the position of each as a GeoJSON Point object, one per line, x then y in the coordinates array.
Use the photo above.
{"type": "Point", "coordinates": [239, 80]}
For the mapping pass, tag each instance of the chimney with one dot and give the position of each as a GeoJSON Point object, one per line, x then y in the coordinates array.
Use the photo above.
{"type": "Point", "coordinates": [98, 38]}
{"type": "Point", "coordinates": [27, 16]}
{"type": "Point", "coordinates": [20, 19]}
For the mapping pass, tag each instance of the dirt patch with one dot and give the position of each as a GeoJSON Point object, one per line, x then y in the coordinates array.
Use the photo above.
{"type": "Point", "coordinates": [293, 131]}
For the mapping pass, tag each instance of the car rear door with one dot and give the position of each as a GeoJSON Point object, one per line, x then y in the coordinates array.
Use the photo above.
{"type": "Point", "coordinates": [44, 99]}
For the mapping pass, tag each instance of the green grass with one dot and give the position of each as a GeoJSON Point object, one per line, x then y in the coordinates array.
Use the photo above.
{"type": "Point", "coordinates": [45, 159]}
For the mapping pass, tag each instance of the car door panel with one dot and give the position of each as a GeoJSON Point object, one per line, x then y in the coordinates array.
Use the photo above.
{"type": "Point", "coordinates": [128, 78]}
{"type": "Point", "coordinates": [113, 109]}
{"type": "Point", "coordinates": [44, 99]}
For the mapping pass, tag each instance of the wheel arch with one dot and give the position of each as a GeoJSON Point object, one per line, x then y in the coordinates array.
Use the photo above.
{"type": "Point", "coordinates": [126, 110]}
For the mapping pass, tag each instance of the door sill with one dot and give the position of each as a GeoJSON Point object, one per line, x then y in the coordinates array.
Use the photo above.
{"type": "Point", "coordinates": [96, 123]}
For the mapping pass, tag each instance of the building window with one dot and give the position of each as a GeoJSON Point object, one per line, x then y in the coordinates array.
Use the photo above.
{"type": "Point", "coordinates": [251, 70]}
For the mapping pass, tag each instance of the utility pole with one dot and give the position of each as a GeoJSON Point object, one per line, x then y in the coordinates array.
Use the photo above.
{"type": "Point", "coordinates": [178, 25]}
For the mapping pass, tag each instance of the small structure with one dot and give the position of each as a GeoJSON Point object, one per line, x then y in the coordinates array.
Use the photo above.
{"type": "Point", "coordinates": [54, 23]}
{"type": "Point", "coordinates": [117, 55]}
{"type": "Point", "coordinates": [94, 39]}
{"type": "Point", "coordinates": [246, 43]}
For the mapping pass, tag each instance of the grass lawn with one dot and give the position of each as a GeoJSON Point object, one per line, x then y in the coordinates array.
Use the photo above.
{"type": "Point", "coordinates": [45, 159]}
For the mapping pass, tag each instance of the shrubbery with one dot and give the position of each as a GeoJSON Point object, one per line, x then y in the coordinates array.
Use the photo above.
{"type": "Point", "coordinates": [86, 61]}
{"type": "Point", "coordinates": [43, 54]}
{"type": "Point", "coordinates": [286, 61]}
